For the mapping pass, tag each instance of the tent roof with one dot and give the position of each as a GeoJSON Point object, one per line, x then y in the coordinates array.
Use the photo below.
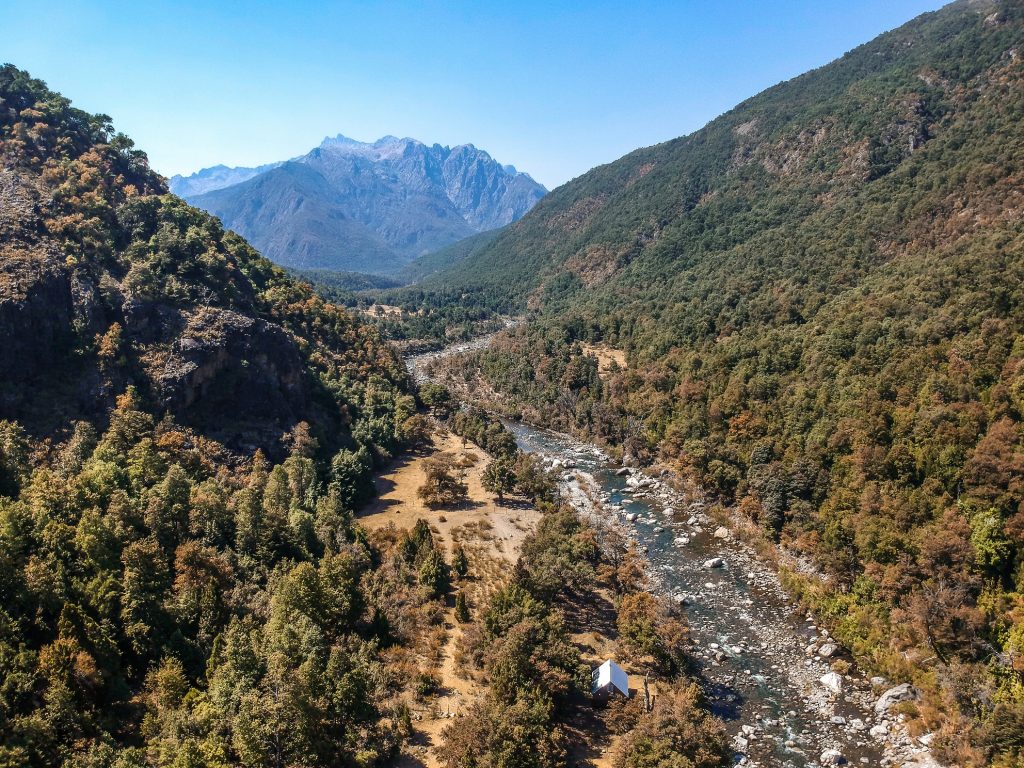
{"type": "Point", "coordinates": [610, 672]}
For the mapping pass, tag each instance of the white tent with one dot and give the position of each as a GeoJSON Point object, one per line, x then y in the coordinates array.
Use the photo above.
{"type": "Point", "coordinates": [608, 678]}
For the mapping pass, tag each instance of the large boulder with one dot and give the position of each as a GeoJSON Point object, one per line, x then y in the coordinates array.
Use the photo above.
{"type": "Point", "coordinates": [893, 696]}
{"type": "Point", "coordinates": [832, 757]}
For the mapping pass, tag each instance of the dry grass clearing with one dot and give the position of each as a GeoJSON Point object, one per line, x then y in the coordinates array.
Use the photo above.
{"type": "Point", "coordinates": [605, 357]}
{"type": "Point", "coordinates": [491, 535]}
{"type": "Point", "coordinates": [497, 529]}
{"type": "Point", "coordinates": [383, 310]}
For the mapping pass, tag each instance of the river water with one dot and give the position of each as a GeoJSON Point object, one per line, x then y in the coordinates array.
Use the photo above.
{"type": "Point", "coordinates": [764, 665]}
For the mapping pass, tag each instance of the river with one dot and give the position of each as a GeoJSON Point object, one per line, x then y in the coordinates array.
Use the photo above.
{"type": "Point", "coordinates": [766, 667]}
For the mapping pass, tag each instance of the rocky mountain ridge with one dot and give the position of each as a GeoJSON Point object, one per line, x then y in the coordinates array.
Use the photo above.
{"type": "Point", "coordinates": [371, 207]}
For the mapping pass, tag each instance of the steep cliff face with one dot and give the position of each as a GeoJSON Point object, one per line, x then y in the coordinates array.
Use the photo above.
{"type": "Point", "coordinates": [36, 311]}
{"type": "Point", "coordinates": [108, 282]}
{"type": "Point", "coordinates": [225, 364]}
{"type": "Point", "coordinates": [349, 205]}
{"type": "Point", "coordinates": [486, 194]}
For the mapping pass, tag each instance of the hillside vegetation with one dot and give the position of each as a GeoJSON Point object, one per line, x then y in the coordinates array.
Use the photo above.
{"type": "Point", "coordinates": [186, 435]}
{"type": "Point", "coordinates": [820, 299]}
{"type": "Point", "coordinates": [168, 595]}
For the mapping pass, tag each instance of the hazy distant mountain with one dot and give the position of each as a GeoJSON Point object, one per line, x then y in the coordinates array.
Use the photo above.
{"type": "Point", "coordinates": [217, 177]}
{"type": "Point", "coordinates": [349, 205]}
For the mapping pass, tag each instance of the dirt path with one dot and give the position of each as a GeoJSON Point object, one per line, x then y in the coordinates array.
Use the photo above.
{"type": "Point", "coordinates": [491, 534]}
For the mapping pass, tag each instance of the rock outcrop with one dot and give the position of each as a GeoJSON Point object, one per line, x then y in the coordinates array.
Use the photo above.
{"type": "Point", "coordinates": [228, 368]}
{"type": "Point", "coordinates": [36, 310]}
{"type": "Point", "coordinates": [895, 695]}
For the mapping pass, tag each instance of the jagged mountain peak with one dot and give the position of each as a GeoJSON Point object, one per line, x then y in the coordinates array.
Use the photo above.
{"type": "Point", "coordinates": [367, 206]}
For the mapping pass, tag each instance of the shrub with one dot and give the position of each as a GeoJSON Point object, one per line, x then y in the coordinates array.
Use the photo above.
{"type": "Point", "coordinates": [441, 486]}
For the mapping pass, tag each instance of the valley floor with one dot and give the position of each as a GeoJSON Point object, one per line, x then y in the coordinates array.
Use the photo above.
{"type": "Point", "coordinates": [492, 533]}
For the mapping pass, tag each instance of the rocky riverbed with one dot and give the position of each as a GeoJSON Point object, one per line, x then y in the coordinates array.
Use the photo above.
{"type": "Point", "coordinates": [789, 694]}
{"type": "Point", "coordinates": [419, 364]}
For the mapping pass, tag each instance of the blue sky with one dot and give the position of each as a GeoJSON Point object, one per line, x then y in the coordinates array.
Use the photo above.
{"type": "Point", "coordinates": [552, 87]}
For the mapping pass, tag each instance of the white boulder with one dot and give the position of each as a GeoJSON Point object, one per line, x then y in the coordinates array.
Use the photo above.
{"type": "Point", "coordinates": [832, 757]}
{"type": "Point", "coordinates": [833, 681]}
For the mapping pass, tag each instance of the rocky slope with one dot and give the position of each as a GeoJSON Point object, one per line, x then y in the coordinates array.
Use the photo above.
{"type": "Point", "coordinates": [348, 205]}
{"type": "Point", "coordinates": [109, 282]}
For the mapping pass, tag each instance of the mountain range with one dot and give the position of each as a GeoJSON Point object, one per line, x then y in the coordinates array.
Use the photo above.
{"type": "Point", "coordinates": [811, 316]}
{"type": "Point", "coordinates": [363, 207]}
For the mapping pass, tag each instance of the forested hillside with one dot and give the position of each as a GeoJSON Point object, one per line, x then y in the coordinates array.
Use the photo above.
{"type": "Point", "coordinates": [185, 433]}
{"type": "Point", "coordinates": [820, 300]}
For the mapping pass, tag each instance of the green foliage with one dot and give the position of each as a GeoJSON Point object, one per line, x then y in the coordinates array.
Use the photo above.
{"type": "Point", "coordinates": [419, 551]}
{"type": "Point", "coordinates": [434, 574]}
{"type": "Point", "coordinates": [532, 666]}
{"type": "Point", "coordinates": [461, 608]}
{"type": "Point", "coordinates": [13, 458]}
{"type": "Point", "coordinates": [499, 477]}
{"type": "Point", "coordinates": [435, 397]}
{"type": "Point", "coordinates": [560, 555]}
{"type": "Point", "coordinates": [678, 733]}
{"type": "Point", "coordinates": [486, 431]}
{"type": "Point", "coordinates": [497, 735]}
{"type": "Point", "coordinates": [460, 562]}
{"type": "Point", "coordinates": [819, 296]}
{"type": "Point", "coordinates": [171, 597]}
{"type": "Point", "coordinates": [650, 628]}
{"type": "Point", "coordinates": [352, 476]}
{"type": "Point", "coordinates": [146, 597]}
{"type": "Point", "coordinates": [341, 287]}
{"type": "Point", "coordinates": [443, 486]}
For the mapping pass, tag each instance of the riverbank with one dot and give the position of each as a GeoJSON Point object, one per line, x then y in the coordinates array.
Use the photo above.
{"type": "Point", "coordinates": [788, 693]}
